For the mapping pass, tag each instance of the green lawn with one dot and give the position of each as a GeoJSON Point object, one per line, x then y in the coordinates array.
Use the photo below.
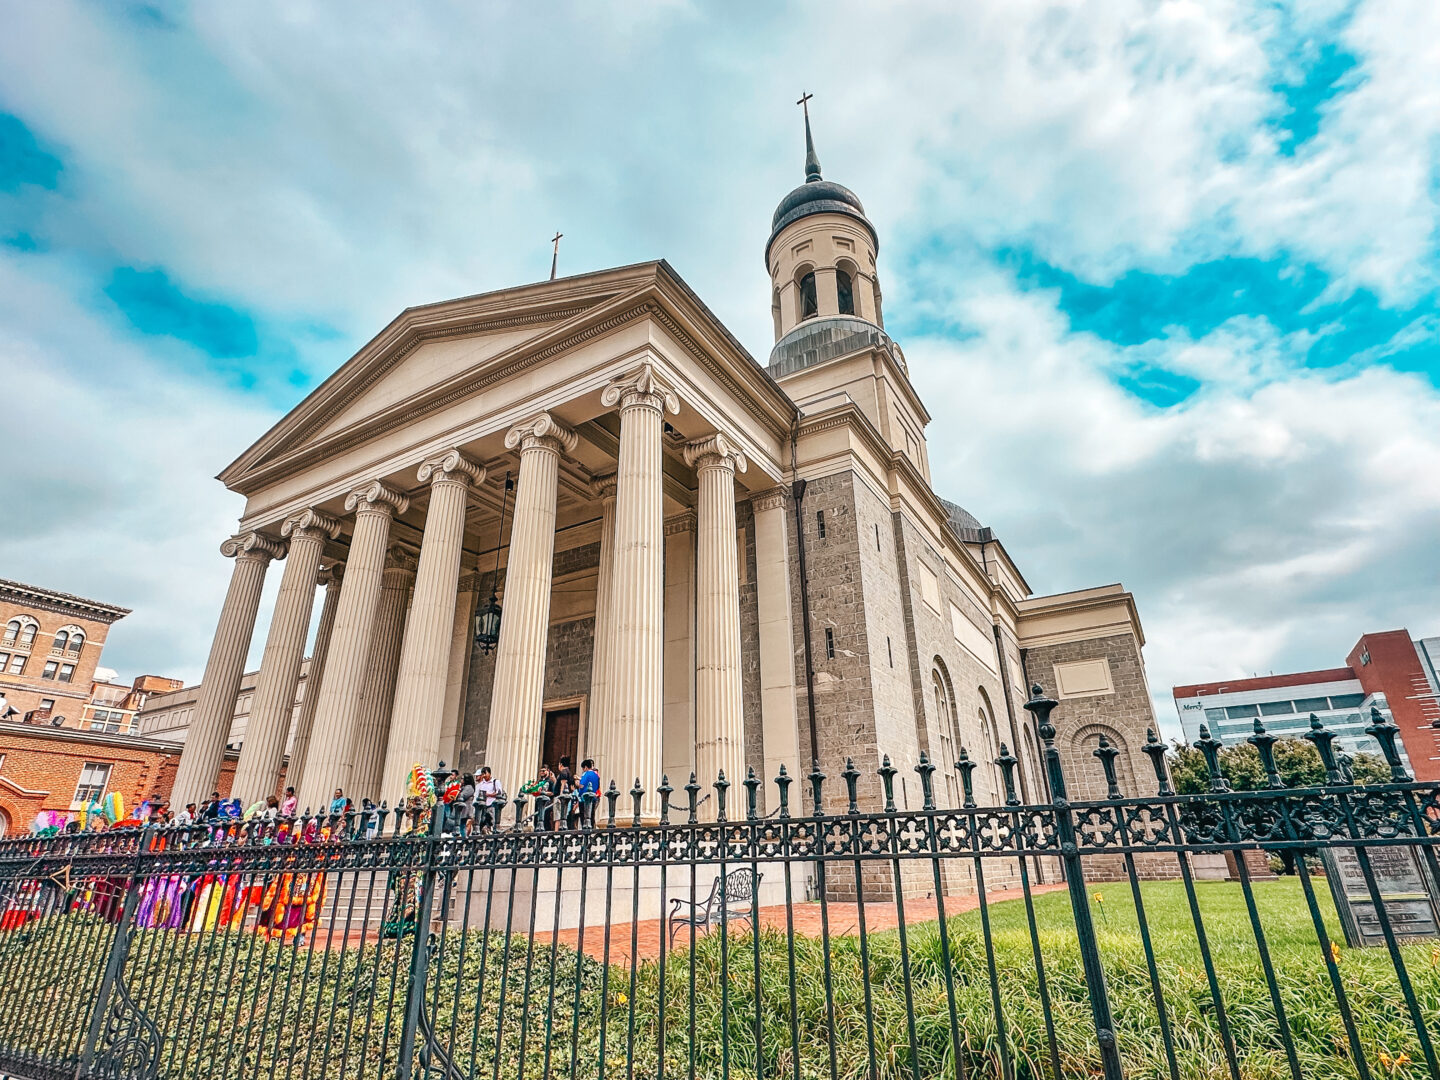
{"type": "Point", "coordinates": [230, 1005]}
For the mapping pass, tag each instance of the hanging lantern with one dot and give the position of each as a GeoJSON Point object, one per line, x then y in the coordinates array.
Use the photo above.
{"type": "Point", "coordinates": [487, 617]}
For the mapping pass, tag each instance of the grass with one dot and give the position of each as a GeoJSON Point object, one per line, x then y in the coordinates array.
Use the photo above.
{"type": "Point", "coordinates": [232, 1005]}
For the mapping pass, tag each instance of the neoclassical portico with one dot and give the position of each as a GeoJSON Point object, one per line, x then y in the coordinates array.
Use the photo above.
{"type": "Point", "coordinates": [605, 443]}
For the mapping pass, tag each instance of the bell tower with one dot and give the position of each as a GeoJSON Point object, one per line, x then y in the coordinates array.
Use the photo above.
{"type": "Point", "coordinates": [821, 252]}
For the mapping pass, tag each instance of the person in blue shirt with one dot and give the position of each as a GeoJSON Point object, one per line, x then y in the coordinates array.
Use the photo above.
{"type": "Point", "coordinates": [589, 793]}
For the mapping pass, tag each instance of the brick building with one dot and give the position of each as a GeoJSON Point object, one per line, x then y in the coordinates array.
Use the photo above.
{"type": "Point", "coordinates": [50, 645]}
{"type": "Point", "coordinates": [1386, 670]}
{"type": "Point", "coordinates": [61, 769]}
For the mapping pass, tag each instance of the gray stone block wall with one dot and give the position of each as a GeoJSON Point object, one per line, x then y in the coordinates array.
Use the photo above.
{"type": "Point", "coordinates": [1122, 716]}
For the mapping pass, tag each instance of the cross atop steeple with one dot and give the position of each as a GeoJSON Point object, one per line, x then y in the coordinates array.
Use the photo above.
{"type": "Point", "coordinates": [812, 160]}
{"type": "Point", "coordinates": [555, 255]}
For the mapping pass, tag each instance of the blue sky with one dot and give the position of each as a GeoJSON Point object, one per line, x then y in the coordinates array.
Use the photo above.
{"type": "Point", "coordinates": [1166, 273]}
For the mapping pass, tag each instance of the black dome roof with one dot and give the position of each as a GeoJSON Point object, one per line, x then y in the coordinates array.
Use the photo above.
{"type": "Point", "coordinates": [816, 196]}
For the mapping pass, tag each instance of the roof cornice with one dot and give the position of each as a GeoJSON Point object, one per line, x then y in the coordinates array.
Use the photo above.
{"type": "Point", "coordinates": [64, 603]}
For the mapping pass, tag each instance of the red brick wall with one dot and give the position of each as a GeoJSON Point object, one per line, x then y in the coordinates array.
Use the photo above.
{"type": "Point", "coordinates": [41, 773]}
{"type": "Point", "coordinates": [1394, 670]}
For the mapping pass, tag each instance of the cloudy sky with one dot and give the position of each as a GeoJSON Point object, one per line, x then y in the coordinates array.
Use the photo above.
{"type": "Point", "coordinates": [1166, 273]}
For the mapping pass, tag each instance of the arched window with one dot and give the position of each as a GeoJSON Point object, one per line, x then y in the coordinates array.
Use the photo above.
{"type": "Point", "coordinates": [1089, 777]}
{"type": "Point", "coordinates": [12, 631]}
{"type": "Point", "coordinates": [61, 640]}
{"type": "Point", "coordinates": [808, 305]}
{"type": "Point", "coordinates": [20, 630]}
{"type": "Point", "coordinates": [845, 287]}
{"type": "Point", "coordinates": [991, 746]}
{"type": "Point", "coordinates": [945, 721]}
{"type": "Point", "coordinates": [27, 633]}
{"type": "Point", "coordinates": [77, 641]}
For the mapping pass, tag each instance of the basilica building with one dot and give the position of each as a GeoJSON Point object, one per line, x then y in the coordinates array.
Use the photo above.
{"type": "Point", "coordinates": [579, 518]}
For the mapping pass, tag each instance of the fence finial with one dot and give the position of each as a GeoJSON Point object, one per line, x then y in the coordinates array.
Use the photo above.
{"type": "Point", "coordinates": [1007, 762]}
{"type": "Point", "coordinates": [1385, 732]}
{"type": "Point", "coordinates": [665, 791]}
{"type": "Point", "coordinates": [852, 780]}
{"type": "Point", "coordinates": [1041, 707]}
{"type": "Point", "coordinates": [1210, 749]}
{"type": "Point", "coordinates": [1264, 743]}
{"type": "Point", "coordinates": [1155, 749]}
{"type": "Point", "coordinates": [783, 781]}
{"type": "Point", "coordinates": [693, 790]}
{"type": "Point", "coordinates": [1322, 738]}
{"type": "Point", "coordinates": [721, 787]}
{"type": "Point", "coordinates": [967, 776]}
{"type": "Point", "coordinates": [752, 789]}
{"type": "Point", "coordinates": [817, 784]}
{"type": "Point", "coordinates": [1107, 755]}
{"type": "Point", "coordinates": [926, 769]}
{"type": "Point", "coordinates": [612, 796]}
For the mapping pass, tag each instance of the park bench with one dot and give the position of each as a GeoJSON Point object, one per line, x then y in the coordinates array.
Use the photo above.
{"type": "Point", "coordinates": [731, 900]}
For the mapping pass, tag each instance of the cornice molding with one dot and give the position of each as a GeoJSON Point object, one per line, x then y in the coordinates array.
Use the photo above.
{"type": "Point", "coordinates": [59, 602]}
{"type": "Point", "coordinates": [776, 498]}
{"type": "Point", "coordinates": [683, 522]}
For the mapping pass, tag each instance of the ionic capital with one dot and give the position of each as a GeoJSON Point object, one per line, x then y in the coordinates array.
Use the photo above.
{"type": "Point", "coordinates": [331, 575]}
{"type": "Point", "coordinates": [776, 498]}
{"type": "Point", "coordinates": [377, 496]}
{"type": "Point", "coordinates": [543, 431]}
{"type": "Point", "coordinates": [399, 557]}
{"type": "Point", "coordinates": [641, 388]}
{"type": "Point", "coordinates": [310, 524]}
{"type": "Point", "coordinates": [451, 467]}
{"type": "Point", "coordinates": [602, 485]}
{"type": "Point", "coordinates": [252, 545]}
{"type": "Point", "coordinates": [715, 451]}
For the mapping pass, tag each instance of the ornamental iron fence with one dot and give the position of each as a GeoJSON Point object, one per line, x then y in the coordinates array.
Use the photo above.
{"type": "Point", "coordinates": [866, 943]}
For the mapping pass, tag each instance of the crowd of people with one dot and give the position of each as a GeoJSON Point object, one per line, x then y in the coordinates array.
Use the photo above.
{"type": "Point", "coordinates": [556, 798]}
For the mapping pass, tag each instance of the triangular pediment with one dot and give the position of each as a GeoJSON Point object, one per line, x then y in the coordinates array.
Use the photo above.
{"type": "Point", "coordinates": [426, 349]}
{"type": "Point", "coordinates": [430, 357]}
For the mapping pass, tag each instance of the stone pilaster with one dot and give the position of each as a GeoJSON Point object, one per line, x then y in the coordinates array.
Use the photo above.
{"type": "Point", "coordinates": [513, 744]}
{"type": "Point", "coordinates": [778, 718]}
{"type": "Point", "coordinates": [637, 671]}
{"type": "Point", "coordinates": [677, 743]}
{"type": "Point", "coordinates": [719, 708]}
{"type": "Point", "coordinates": [327, 765]}
{"type": "Point", "coordinates": [330, 578]}
{"type": "Point", "coordinates": [205, 744]}
{"type": "Point", "coordinates": [377, 699]}
{"type": "Point", "coordinates": [258, 772]}
{"type": "Point", "coordinates": [418, 719]}
{"type": "Point", "coordinates": [600, 725]}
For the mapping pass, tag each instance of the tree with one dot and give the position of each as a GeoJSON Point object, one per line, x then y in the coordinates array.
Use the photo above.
{"type": "Point", "coordinates": [1297, 761]}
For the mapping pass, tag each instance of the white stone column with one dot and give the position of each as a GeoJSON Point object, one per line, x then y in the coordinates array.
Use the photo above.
{"type": "Point", "coordinates": [327, 763]}
{"type": "Point", "coordinates": [599, 723]}
{"type": "Point", "coordinates": [677, 743]}
{"type": "Point", "coordinates": [778, 715]}
{"type": "Point", "coordinates": [330, 578]}
{"type": "Point", "coordinates": [637, 671]}
{"type": "Point", "coordinates": [258, 772]}
{"type": "Point", "coordinates": [513, 745]}
{"type": "Point", "coordinates": [418, 718]}
{"type": "Point", "coordinates": [457, 677]}
{"type": "Point", "coordinates": [377, 698]}
{"type": "Point", "coordinates": [205, 744]}
{"type": "Point", "coordinates": [719, 707]}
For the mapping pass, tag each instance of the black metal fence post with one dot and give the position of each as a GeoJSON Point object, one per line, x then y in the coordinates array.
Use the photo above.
{"type": "Point", "coordinates": [1041, 707]}
{"type": "Point", "coordinates": [115, 1015]}
{"type": "Point", "coordinates": [420, 956]}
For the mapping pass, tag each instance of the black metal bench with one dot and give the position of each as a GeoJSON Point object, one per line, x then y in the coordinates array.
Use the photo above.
{"type": "Point", "coordinates": [731, 900]}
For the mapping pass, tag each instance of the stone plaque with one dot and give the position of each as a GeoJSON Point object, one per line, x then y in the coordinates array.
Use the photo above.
{"type": "Point", "coordinates": [1409, 896]}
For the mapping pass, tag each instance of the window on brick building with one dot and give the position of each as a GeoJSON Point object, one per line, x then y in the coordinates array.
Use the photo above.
{"type": "Point", "coordinates": [94, 778]}
{"type": "Point", "coordinates": [47, 703]}
{"type": "Point", "coordinates": [17, 664]}
{"type": "Point", "coordinates": [51, 667]}
{"type": "Point", "coordinates": [820, 524]}
{"type": "Point", "coordinates": [61, 640]}
{"type": "Point", "coordinates": [829, 644]}
{"type": "Point", "coordinates": [20, 630]}
{"type": "Point", "coordinates": [67, 671]}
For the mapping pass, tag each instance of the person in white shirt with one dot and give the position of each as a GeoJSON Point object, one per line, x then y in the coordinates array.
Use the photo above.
{"type": "Point", "coordinates": [490, 797]}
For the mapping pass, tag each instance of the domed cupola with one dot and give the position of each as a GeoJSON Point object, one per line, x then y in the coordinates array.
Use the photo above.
{"type": "Point", "coordinates": [821, 251]}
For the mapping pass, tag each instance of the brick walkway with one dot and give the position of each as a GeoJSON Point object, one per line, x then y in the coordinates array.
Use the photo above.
{"type": "Point", "coordinates": [844, 921]}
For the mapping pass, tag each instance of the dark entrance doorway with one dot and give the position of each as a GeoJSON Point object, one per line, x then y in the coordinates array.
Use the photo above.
{"type": "Point", "coordinates": [562, 736]}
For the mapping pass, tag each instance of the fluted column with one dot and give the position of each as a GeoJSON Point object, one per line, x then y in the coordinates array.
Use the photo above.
{"type": "Point", "coordinates": [457, 678]}
{"type": "Point", "coordinates": [327, 763]}
{"type": "Point", "coordinates": [519, 690]}
{"type": "Point", "coordinates": [377, 698]}
{"type": "Point", "coordinates": [299, 750]}
{"type": "Point", "coordinates": [719, 708]}
{"type": "Point", "coordinates": [778, 722]}
{"type": "Point", "coordinates": [258, 772]}
{"type": "Point", "coordinates": [599, 723]}
{"type": "Point", "coordinates": [637, 671]}
{"type": "Point", "coordinates": [418, 717]}
{"type": "Point", "coordinates": [205, 742]}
